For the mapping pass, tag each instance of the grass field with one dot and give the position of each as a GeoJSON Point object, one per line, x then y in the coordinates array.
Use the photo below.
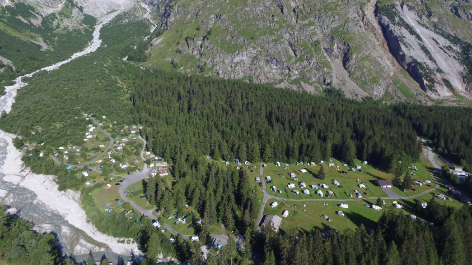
{"type": "Point", "coordinates": [134, 193]}
{"type": "Point", "coordinates": [309, 216]}
{"type": "Point", "coordinates": [108, 197]}
{"type": "Point", "coordinates": [349, 182]}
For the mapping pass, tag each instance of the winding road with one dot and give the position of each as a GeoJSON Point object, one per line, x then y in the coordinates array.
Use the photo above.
{"type": "Point", "coordinates": [133, 178]}
{"type": "Point", "coordinates": [140, 175]}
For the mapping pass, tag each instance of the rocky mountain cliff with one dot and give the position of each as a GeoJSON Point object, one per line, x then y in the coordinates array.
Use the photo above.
{"type": "Point", "coordinates": [416, 51]}
{"type": "Point", "coordinates": [413, 50]}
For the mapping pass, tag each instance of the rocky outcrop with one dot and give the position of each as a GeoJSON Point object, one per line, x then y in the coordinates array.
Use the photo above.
{"type": "Point", "coordinates": [314, 44]}
{"type": "Point", "coordinates": [430, 58]}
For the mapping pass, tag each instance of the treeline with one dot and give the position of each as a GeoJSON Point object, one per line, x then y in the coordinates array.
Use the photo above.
{"type": "Point", "coordinates": [233, 119]}
{"type": "Point", "coordinates": [397, 239]}
{"type": "Point", "coordinates": [219, 194]}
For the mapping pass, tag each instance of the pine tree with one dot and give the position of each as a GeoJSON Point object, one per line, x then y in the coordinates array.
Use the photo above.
{"type": "Point", "coordinates": [153, 248]}
{"type": "Point", "coordinates": [453, 252]}
{"type": "Point", "coordinates": [205, 236]}
{"type": "Point", "coordinates": [407, 181]}
{"type": "Point", "coordinates": [211, 259]}
{"type": "Point", "coordinates": [197, 256]}
{"type": "Point", "coordinates": [228, 219]}
{"type": "Point", "coordinates": [321, 173]}
{"type": "Point", "coordinates": [379, 202]}
{"type": "Point", "coordinates": [397, 182]}
{"type": "Point", "coordinates": [349, 152]}
{"type": "Point", "coordinates": [268, 153]}
{"type": "Point", "coordinates": [216, 154]}
{"type": "Point", "coordinates": [256, 153]}
{"type": "Point", "coordinates": [90, 260]}
{"type": "Point", "coordinates": [393, 256]}
{"type": "Point", "coordinates": [270, 258]}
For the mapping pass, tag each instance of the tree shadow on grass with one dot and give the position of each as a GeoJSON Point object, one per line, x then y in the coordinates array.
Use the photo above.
{"type": "Point", "coordinates": [373, 182]}
{"type": "Point", "coordinates": [358, 219]}
{"type": "Point", "coordinates": [410, 207]}
{"type": "Point", "coordinates": [374, 176]}
{"type": "Point", "coordinates": [315, 175]}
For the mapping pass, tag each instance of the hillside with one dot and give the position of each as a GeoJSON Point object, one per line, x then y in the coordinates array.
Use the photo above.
{"type": "Point", "coordinates": [409, 51]}
{"type": "Point", "coordinates": [34, 35]}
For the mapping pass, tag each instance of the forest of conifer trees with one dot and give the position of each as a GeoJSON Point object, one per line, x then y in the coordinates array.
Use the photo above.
{"type": "Point", "coordinates": [232, 119]}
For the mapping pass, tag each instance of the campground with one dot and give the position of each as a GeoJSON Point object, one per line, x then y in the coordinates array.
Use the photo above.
{"type": "Point", "coordinates": [304, 215]}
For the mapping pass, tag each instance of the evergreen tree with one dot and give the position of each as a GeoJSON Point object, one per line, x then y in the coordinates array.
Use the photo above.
{"type": "Point", "coordinates": [196, 256]}
{"type": "Point", "coordinates": [407, 181]}
{"type": "Point", "coordinates": [270, 258]}
{"type": "Point", "coordinates": [216, 154]}
{"type": "Point", "coordinates": [211, 259]}
{"type": "Point", "coordinates": [205, 236]}
{"type": "Point", "coordinates": [453, 252]}
{"type": "Point", "coordinates": [321, 173]}
{"type": "Point", "coordinates": [397, 182]}
{"type": "Point", "coordinates": [90, 260]}
{"type": "Point", "coordinates": [393, 256]}
{"type": "Point", "coordinates": [349, 152]}
{"type": "Point", "coordinates": [379, 202]}
{"type": "Point", "coordinates": [153, 248]}
{"type": "Point", "coordinates": [256, 153]}
{"type": "Point", "coordinates": [268, 153]}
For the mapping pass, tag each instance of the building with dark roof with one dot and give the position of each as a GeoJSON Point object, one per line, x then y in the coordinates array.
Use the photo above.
{"type": "Point", "coordinates": [383, 183]}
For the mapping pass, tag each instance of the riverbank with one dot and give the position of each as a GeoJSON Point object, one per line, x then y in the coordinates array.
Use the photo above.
{"type": "Point", "coordinates": [65, 204]}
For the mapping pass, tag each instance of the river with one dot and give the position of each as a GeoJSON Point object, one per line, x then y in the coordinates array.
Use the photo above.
{"type": "Point", "coordinates": [36, 198]}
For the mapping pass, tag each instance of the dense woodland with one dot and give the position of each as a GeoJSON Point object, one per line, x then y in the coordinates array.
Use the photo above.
{"type": "Point", "coordinates": [233, 119]}
{"type": "Point", "coordinates": [219, 194]}
{"type": "Point", "coordinates": [20, 245]}
{"type": "Point", "coordinates": [447, 127]}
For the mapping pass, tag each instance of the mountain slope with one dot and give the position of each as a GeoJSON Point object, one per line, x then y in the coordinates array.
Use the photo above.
{"type": "Point", "coordinates": [312, 45]}
{"type": "Point", "coordinates": [33, 35]}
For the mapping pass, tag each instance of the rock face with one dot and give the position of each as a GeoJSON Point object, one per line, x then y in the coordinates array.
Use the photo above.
{"type": "Point", "coordinates": [431, 59]}
{"type": "Point", "coordinates": [313, 44]}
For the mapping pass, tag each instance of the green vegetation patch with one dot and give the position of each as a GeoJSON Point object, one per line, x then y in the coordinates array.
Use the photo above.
{"type": "Point", "coordinates": [405, 90]}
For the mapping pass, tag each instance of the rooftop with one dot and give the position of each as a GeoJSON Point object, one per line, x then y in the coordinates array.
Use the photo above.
{"type": "Point", "coordinates": [384, 182]}
{"type": "Point", "coordinates": [275, 220]}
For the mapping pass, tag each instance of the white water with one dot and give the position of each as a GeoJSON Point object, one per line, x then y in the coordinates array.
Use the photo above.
{"type": "Point", "coordinates": [37, 196]}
